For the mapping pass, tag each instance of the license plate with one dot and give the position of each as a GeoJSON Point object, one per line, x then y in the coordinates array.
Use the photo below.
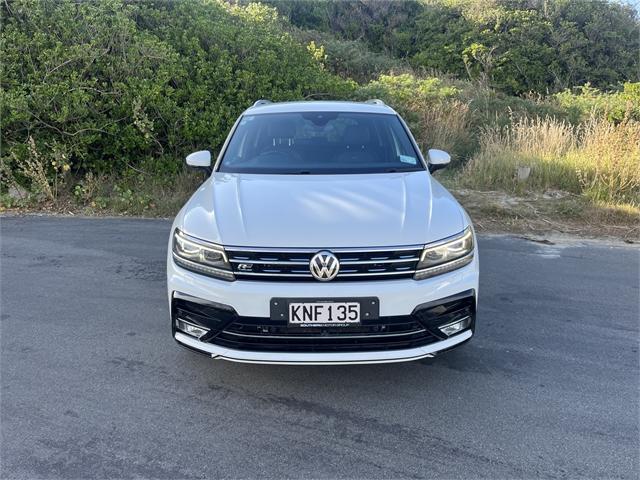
{"type": "Point", "coordinates": [324, 313]}
{"type": "Point", "coordinates": [329, 311]}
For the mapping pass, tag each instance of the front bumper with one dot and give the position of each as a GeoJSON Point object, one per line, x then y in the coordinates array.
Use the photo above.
{"type": "Point", "coordinates": [250, 301]}
{"type": "Point", "coordinates": [343, 358]}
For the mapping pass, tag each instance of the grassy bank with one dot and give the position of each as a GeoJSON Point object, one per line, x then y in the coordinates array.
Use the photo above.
{"type": "Point", "coordinates": [528, 165]}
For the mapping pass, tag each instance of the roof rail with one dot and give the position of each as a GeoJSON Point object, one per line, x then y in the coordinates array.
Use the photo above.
{"type": "Point", "coordinates": [262, 102]}
{"type": "Point", "coordinates": [375, 101]}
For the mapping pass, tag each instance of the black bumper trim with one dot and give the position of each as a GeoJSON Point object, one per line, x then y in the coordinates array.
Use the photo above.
{"type": "Point", "coordinates": [230, 330]}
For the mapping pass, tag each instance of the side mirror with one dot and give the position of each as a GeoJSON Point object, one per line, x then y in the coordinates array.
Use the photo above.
{"type": "Point", "coordinates": [438, 159]}
{"type": "Point", "coordinates": [201, 159]}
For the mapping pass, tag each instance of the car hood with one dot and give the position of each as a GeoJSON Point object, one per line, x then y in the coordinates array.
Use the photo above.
{"type": "Point", "coordinates": [322, 211]}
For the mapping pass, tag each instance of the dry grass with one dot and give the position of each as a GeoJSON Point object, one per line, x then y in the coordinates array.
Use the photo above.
{"type": "Point", "coordinates": [443, 125]}
{"type": "Point", "coordinates": [608, 162]}
{"type": "Point", "coordinates": [137, 194]}
{"type": "Point", "coordinates": [541, 214]}
{"type": "Point", "coordinates": [597, 159]}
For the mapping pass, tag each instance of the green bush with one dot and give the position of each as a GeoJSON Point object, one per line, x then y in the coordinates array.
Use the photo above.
{"type": "Point", "coordinates": [584, 101]}
{"type": "Point", "coordinates": [516, 46]}
{"type": "Point", "coordinates": [113, 84]}
{"type": "Point", "coordinates": [351, 58]}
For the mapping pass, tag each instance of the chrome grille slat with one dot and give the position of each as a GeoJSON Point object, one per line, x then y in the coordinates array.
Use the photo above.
{"type": "Point", "coordinates": [261, 274]}
{"type": "Point", "coordinates": [374, 274]}
{"type": "Point", "coordinates": [267, 262]}
{"type": "Point", "coordinates": [390, 260]}
{"type": "Point", "coordinates": [293, 264]}
{"type": "Point", "coordinates": [296, 250]}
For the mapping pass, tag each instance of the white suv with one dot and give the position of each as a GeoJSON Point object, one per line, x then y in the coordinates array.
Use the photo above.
{"type": "Point", "coordinates": [320, 237]}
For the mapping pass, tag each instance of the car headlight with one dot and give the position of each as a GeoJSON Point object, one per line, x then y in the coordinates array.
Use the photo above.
{"type": "Point", "coordinates": [445, 256]}
{"type": "Point", "coordinates": [201, 257]}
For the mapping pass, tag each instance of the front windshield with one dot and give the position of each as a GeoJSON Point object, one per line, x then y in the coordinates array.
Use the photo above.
{"type": "Point", "coordinates": [320, 143]}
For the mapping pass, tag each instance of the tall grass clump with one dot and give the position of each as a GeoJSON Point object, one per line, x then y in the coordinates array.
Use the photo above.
{"type": "Point", "coordinates": [598, 159]}
{"type": "Point", "coordinates": [608, 162]}
{"type": "Point", "coordinates": [431, 106]}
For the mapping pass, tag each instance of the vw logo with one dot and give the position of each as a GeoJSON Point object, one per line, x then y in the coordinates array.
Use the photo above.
{"type": "Point", "coordinates": [324, 266]}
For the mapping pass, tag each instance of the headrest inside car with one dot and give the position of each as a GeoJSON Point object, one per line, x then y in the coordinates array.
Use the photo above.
{"type": "Point", "coordinates": [357, 135]}
{"type": "Point", "coordinates": [282, 129]}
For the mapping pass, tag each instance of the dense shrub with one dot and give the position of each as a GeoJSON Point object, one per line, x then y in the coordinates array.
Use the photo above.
{"type": "Point", "coordinates": [351, 58]}
{"type": "Point", "coordinates": [384, 25]}
{"type": "Point", "coordinates": [516, 46]}
{"type": "Point", "coordinates": [585, 101]}
{"type": "Point", "coordinates": [97, 86]}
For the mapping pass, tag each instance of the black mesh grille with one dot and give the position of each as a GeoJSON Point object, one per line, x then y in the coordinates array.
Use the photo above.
{"type": "Point", "coordinates": [387, 333]}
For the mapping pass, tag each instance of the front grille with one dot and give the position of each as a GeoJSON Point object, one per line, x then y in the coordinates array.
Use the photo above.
{"type": "Point", "coordinates": [293, 265]}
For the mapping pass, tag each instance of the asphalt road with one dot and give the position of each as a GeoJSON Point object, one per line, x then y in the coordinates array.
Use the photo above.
{"type": "Point", "coordinates": [93, 385]}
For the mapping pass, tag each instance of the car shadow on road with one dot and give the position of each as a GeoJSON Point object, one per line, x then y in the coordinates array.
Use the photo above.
{"type": "Point", "coordinates": [445, 374]}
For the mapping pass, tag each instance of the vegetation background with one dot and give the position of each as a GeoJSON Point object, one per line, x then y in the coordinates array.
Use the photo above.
{"type": "Point", "coordinates": [537, 100]}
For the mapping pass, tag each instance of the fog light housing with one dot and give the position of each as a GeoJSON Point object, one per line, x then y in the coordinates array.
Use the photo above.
{"type": "Point", "coordinates": [191, 329]}
{"type": "Point", "coordinates": [455, 327]}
